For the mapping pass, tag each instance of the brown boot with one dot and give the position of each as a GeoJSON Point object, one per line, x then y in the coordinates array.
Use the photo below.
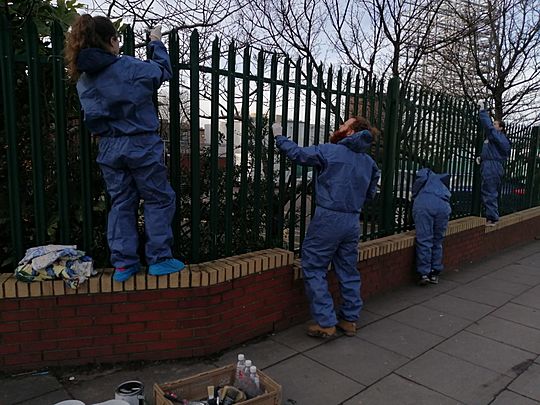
{"type": "Point", "coordinates": [320, 332]}
{"type": "Point", "coordinates": [348, 328]}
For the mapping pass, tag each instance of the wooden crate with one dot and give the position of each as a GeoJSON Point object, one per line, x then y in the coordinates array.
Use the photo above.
{"type": "Point", "coordinates": [195, 387]}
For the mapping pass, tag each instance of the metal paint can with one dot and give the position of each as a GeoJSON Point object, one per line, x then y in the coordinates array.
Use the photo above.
{"type": "Point", "coordinates": [131, 392]}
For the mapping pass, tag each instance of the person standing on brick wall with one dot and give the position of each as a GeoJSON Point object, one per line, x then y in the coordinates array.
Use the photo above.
{"type": "Point", "coordinates": [346, 177]}
{"type": "Point", "coordinates": [431, 212]}
{"type": "Point", "coordinates": [116, 97]}
{"type": "Point", "coordinates": [495, 151]}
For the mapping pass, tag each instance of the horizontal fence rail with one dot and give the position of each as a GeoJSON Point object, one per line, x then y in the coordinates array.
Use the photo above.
{"type": "Point", "coordinates": [235, 191]}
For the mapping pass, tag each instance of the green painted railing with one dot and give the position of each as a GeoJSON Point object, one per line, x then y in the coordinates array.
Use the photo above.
{"type": "Point", "coordinates": [235, 192]}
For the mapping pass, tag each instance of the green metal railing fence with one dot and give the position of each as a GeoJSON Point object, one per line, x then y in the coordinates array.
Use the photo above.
{"type": "Point", "coordinates": [235, 192]}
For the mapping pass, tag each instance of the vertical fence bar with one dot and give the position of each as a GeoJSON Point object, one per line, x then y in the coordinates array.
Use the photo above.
{"type": "Point", "coordinates": [258, 147]}
{"type": "Point", "coordinates": [317, 128]}
{"type": "Point", "coordinates": [229, 169]}
{"type": "Point", "coordinates": [391, 128]}
{"type": "Point", "coordinates": [348, 92]}
{"type": "Point", "coordinates": [128, 47]}
{"type": "Point", "coordinates": [60, 131]}
{"type": "Point", "coordinates": [195, 147]}
{"type": "Point", "coordinates": [292, 177]}
{"type": "Point", "coordinates": [356, 95]}
{"type": "Point", "coordinates": [175, 163]}
{"type": "Point", "coordinates": [214, 149]}
{"type": "Point", "coordinates": [337, 112]}
{"type": "Point", "coordinates": [307, 141]}
{"type": "Point", "coordinates": [31, 40]}
{"type": "Point", "coordinates": [328, 108]}
{"type": "Point", "coordinates": [283, 157]}
{"type": "Point", "coordinates": [85, 150]}
{"type": "Point", "coordinates": [244, 142]}
{"type": "Point", "coordinates": [532, 165]}
{"type": "Point", "coordinates": [6, 70]}
{"type": "Point", "coordinates": [271, 205]}
{"type": "Point", "coordinates": [477, 180]}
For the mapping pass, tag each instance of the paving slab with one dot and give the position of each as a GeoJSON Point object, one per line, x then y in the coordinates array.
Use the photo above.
{"type": "Point", "coordinates": [459, 307]}
{"type": "Point", "coordinates": [519, 314]}
{"type": "Point", "coordinates": [511, 398]}
{"type": "Point", "coordinates": [295, 337]}
{"type": "Point", "coordinates": [357, 359]}
{"type": "Point", "coordinates": [531, 260]}
{"type": "Point", "coordinates": [398, 337]}
{"type": "Point", "coordinates": [305, 381]}
{"type": "Point", "coordinates": [518, 273]}
{"type": "Point", "coordinates": [395, 389]}
{"type": "Point", "coordinates": [458, 379]}
{"type": "Point", "coordinates": [481, 295]}
{"type": "Point", "coordinates": [496, 284]}
{"type": "Point", "coordinates": [487, 353]}
{"type": "Point", "coordinates": [528, 383]}
{"type": "Point", "coordinates": [417, 294]}
{"type": "Point", "coordinates": [431, 320]}
{"type": "Point", "coordinates": [48, 399]}
{"type": "Point", "coordinates": [387, 304]}
{"type": "Point", "coordinates": [508, 332]}
{"type": "Point", "coordinates": [465, 274]}
{"type": "Point", "coordinates": [530, 299]}
{"type": "Point", "coordinates": [263, 354]}
{"type": "Point", "coordinates": [14, 390]}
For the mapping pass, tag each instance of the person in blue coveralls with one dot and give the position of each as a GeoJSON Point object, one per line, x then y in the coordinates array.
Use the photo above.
{"type": "Point", "coordinates": [116, 96]}
{"type": "Point", "coordinates": [346, 177]}
{"type": "Point", "coordinates": [431, 212]}
{"type": "Point", "coordinates": [495, 151]}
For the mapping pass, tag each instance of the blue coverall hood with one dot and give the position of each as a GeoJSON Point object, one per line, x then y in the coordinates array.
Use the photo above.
{"type": "Point", "coordinates": [116, 91]}
{"type": "Point", "coordinates": [429, 182]}
{"type": "Point", "coordinates": [346, 175]}
{"type": "Point", "coordinates": [92, 60]}
{"type": "Point", "coordinates": [359, 142]}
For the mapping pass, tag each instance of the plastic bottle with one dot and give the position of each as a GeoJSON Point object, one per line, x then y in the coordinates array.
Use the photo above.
{"type": "Point", "coordinates": [247, 365]}
{"type": "Point", "coordinates": [254, 377]}
{"type": "Point", "coordinates": [240, 366]}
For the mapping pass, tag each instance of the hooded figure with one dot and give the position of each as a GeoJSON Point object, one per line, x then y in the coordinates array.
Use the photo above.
{"type": "Point", "coordinates": [495, 151]}
{"type": "Point", "coordinates": [116, 96]}
{"type": "Point", "coordinates": [431, 212]}
{"type": "Point", "coordinates": [346, 177]}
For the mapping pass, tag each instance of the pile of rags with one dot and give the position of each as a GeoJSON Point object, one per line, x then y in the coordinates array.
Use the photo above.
{"type": "Point", "coordinates": [54, 262]}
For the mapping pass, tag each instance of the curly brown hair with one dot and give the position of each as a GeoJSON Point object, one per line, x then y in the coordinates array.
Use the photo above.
{"type": "Point", "coordinates": [87, 32]}
{"type": "Point", "coordinates": [359, 124]}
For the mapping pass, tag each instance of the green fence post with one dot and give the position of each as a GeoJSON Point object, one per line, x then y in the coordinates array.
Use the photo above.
{"type": "Point", "coordinates": [532, 173]}
{"type": "Point", "coordinates": [391, 127]}
{"type": "Point", "coordinates": [34, 89]}
{"type": "Point", "coordinates": [174, 137]}
{"type": "Point", "coordinates": [215, 232]}
{"type": "Point", "coordinates": [477, 179]}
{"type": "Point", "coordinates": [195, 146]}
{"type": "Point", "coordinates": [60, 132]}
{"type": "Point", "coordinates": [6, 71]}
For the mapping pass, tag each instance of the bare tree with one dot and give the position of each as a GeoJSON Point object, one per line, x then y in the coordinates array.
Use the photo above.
{"type": "Point", "coordinates": [503, 49]}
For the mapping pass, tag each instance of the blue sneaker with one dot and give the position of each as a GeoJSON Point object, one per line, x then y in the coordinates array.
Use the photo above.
{"type": "Point", "coordinates": [166, 266]}
{"type": "Point", "coordinates": [122, 274]}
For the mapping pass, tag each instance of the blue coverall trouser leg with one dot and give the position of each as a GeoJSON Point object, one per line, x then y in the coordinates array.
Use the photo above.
{"type": "Point", "coordinates": [133, 168]}
{"type": "Point", "coordinates": [332, 237]}
{"type": "Point", "coordinates": [492, 173]}
{"type": "Point", "coordinates": [431, 216]}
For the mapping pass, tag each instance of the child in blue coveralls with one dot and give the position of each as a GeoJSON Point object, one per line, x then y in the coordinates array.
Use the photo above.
{"type": "Point", "coordinates": [346, 177]}
{"type": "Point", "coordinates": [116, 97]}
{"type": "Point", "coordinates": [495, 151]}
{"type": "Point", "coordinates": [431, 212]}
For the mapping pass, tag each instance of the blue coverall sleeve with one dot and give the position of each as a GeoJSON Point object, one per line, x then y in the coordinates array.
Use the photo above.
{"type": "Point", "coordinates": [158, 68]}
{"type": "Point", "coordinates": [494, 136]}
{"type": "Point", "coordinates": [306, 156]}
{"type": "Point", "coordinates": [421, 178]}
{"type": "Point", "coordinates": [375, 176]}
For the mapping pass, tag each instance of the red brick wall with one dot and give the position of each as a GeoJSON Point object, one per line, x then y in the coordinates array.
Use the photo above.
{"type": "Point", "coordinates": [187, 322]}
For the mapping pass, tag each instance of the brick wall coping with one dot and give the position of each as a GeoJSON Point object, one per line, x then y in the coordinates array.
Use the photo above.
{"type": "Point", "coordinates": [223, 270]}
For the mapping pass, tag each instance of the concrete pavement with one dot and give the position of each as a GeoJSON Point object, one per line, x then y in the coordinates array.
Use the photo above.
{"type": "Point", "coordinates": [472, 339]}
